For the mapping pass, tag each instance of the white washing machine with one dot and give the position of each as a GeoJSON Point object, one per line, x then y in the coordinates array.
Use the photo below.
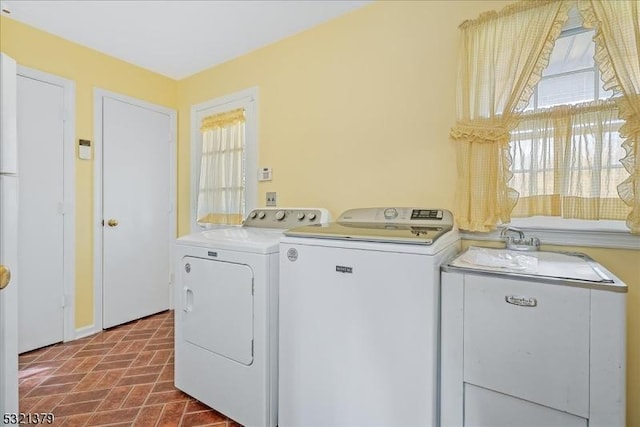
{"type": "Point", "coordinates": [226, 314]}
{"type": "Point", "coordinates": [359, 319]}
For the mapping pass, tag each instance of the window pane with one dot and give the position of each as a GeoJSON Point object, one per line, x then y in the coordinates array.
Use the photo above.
{"type": "Point", "coordinates": [568, 89]}
{"type": "Point", "coordinates": [571, 53]}
{"type": "Point", "coordinates": [603, 94]}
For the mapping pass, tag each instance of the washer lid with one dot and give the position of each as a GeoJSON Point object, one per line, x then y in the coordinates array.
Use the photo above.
{"type": "Point", "coordinates": [388, 225]}
{"type": "Point", "coordinates": [236, 238]}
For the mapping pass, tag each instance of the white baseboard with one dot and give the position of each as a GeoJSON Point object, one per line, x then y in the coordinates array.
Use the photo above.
{"type": "Point", "coordinates": [86, 331]}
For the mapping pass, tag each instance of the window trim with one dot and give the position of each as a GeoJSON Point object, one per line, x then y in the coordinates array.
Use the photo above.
{"type": "Point", "coordinates": [247, 99]}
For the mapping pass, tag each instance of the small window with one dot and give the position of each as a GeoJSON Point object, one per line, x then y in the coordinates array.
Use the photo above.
{"type": "Point", "coordinates": [221, 184]}
{"type": "Point", "coordinates": [224, 160]}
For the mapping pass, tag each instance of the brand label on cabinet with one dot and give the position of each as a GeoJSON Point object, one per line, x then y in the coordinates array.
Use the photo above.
{"type": "Point", "coordinates": [521, 301]}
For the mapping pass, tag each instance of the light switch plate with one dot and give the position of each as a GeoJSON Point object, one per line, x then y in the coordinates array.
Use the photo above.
{"type": "Point", "coordinates": [271, 198]}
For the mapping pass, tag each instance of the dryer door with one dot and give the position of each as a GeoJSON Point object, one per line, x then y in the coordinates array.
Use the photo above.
{"type": "Point", "coordinates": [217, 299]}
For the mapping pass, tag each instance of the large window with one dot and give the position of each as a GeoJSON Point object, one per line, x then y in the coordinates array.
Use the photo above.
{"type": "Point", "coordinates": [224, 160]}
{"type": "Point", "coordinates": [566, 150]}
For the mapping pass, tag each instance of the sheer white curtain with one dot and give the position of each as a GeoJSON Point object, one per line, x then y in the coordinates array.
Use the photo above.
{"type": "Point", "coordinates": [222, 182]}
{"type": "Point", "coordinates": [566, 162]}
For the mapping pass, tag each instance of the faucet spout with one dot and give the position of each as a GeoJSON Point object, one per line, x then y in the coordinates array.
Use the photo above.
{"type": "Point", "coordinates": [506, 230]}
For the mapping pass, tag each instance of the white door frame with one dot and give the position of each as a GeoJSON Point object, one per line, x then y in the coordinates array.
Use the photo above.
{"type": "Point", "coordinates": [68, 207]}
{"type": "Point", "coordinates": [98, 95]}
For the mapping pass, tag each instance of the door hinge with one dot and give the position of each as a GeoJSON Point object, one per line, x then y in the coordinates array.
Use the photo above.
{"type": "Point", "coordinates": [64, 301]}
{"type": "Point", "coordinates": [63, 208]}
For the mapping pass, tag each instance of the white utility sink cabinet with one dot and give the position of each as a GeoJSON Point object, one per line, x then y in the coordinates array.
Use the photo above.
{"type": "Point", "coordinates": [521, 348]}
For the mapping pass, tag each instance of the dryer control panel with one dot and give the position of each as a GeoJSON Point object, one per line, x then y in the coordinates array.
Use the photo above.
{"type": "Point", "coordinates": [285, 218]}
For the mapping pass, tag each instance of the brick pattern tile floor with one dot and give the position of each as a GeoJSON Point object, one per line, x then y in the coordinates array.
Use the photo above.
{"type": "Point", "coordinates": [119, 377]}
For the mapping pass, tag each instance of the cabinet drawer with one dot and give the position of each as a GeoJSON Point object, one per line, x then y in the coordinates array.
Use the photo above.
{"type": "Point", "coordinates": [529, 340]}
{"type": "Point", "coordinates": [486, 408]}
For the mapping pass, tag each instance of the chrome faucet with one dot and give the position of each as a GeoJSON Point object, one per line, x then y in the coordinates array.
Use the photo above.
{"type": "Point", "coordinates": [520, 243]}
{"type": "Point", "coordinates": [506, 230]}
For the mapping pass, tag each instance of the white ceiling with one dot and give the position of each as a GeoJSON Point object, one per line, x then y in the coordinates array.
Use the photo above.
{"type": "Point", "coordinates": [172, 37]}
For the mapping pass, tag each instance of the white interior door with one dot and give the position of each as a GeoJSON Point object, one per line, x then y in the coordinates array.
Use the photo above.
{"type": "Point", "coordinates": [8, 239]}
{"type": "Point", "coordinates": [9, 295]}
{"type": "Point", "coordinates": [41, 228]}
{"type": "Point", "coordinates": [138, 230]}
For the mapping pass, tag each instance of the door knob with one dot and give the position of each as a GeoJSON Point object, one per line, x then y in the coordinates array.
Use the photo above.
{"type": "Point", "coordinates": [112, 223]}
{"type": "Point", "coordinates": [5, 276]}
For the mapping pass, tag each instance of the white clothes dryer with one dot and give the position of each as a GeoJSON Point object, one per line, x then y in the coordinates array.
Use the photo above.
{"type": "Point", "coordinates": [359, 319]}
{"type": "Point", "coordinates": [226, 314]}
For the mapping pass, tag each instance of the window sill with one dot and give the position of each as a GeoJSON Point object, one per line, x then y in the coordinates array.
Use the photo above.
{"type": "Point", "coordinates": [557, 231]}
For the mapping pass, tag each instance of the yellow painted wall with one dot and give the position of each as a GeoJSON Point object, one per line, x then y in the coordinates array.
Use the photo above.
{"type": "Point", "coordinates": [89, 69]}
{"type": "Point", "coordinates": [356, 112]}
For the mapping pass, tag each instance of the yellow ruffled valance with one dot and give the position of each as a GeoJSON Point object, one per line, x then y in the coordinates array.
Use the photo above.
{"type": "Point", "coordinates": [510, 9]}
{"type": "Point", "coordinates": [223, 119]}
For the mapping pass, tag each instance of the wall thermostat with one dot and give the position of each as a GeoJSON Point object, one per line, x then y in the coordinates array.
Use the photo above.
{"type": "Point", "coordinates": [264, 174]}
{"type": "Point", "coordinates": [84, 149]}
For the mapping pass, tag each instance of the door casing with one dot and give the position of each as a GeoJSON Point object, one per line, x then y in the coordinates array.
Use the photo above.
{"type": "Point", "coordinates": [98, 96]}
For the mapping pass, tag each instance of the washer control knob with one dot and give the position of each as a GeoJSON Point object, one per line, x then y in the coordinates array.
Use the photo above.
{"type": "Point", "coordinates": [311, 216]}
{"type": "Point", "coordinates": [300, 216]}
{"type": "Point", "coordinates": [253, 215]}
{"type": "Point", "coordinates": [280, 215]}
{"type": "Point", "coordinates": [390, 213]}
{"type": "Point", "coordinates": [261, 215]}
